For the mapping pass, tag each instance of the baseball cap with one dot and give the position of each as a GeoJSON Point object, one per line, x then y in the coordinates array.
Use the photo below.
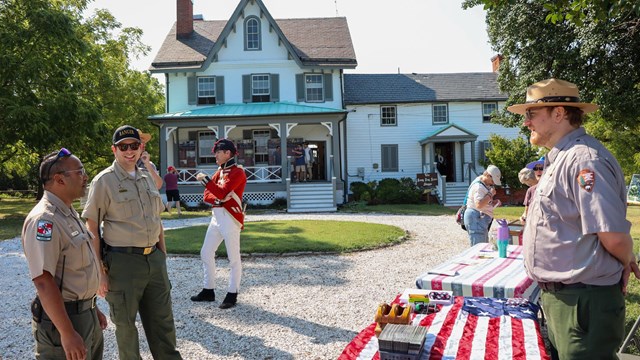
{"type": "Point", "coordinates": [495, 174]}
{"type": "Point", "coordinates": [170, 168]}
{"type": "Point", "coordinates": [224, 144]}
{"type": "Point", "coordinates": [126, 132]}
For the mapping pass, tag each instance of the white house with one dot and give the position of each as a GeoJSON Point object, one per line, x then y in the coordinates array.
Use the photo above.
{"type": "Point", "coordinates": [270, 84]}
{"type": "Point", "coordinates": [266, 84]}
{"type": "Point", "coordinates": [400, 125]}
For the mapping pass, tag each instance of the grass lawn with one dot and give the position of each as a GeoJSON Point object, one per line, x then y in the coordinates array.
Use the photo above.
{"type": "Point", "coordinates": [292, 236]}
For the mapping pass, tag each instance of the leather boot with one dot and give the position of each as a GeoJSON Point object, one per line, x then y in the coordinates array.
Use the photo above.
{"type": "Point", "coordinates": [229, 301]}
{"type": "Point", "coordinates": [205, 295]}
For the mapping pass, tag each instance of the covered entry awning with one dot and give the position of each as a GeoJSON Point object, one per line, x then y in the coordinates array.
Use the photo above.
{"type": "Point", "coordinates": [451, 133]}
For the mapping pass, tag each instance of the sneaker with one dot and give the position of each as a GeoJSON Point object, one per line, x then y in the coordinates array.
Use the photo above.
{"type": "Point", "coordinates": [229, 301]}
{"type": "Point", "coordinates": [205, 295]}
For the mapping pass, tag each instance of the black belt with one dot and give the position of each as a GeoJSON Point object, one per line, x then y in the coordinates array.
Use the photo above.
{"type": "Point", "coordinates": [132, 249]}
{"type": "Point", "coordinates": [79, 306]}
{"type": "Point", "coordinates": [75, 307]}
{"type": "Point", "coordinates": [557, 286]}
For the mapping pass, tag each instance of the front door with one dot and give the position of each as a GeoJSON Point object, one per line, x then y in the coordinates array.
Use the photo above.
{"type": "Point", "coordinates": [444, 159]}
{"type": "Point", "coordinates": [319, 166]}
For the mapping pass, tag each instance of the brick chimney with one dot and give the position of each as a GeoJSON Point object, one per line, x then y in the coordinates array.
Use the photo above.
{"type": "Point", "coordinates": [185, 18]}
{"type": "Point", "coordinates": [495, 62]}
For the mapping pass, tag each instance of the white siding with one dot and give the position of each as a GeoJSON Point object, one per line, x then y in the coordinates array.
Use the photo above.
{"type": "Point", "coordinates": [233, 62]}
{"type": "Point", "coordinates": [414, 123]}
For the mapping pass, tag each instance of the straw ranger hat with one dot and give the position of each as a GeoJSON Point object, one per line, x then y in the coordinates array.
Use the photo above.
{"type": "Point", "coordinates": [552, 92]}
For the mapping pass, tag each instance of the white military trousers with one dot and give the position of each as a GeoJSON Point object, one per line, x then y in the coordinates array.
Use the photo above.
{"type": "Point", "coordinates": [222, 227]}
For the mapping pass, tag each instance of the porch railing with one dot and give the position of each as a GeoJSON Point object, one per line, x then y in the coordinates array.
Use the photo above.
{"type": "Point", "coordinates": [255, 174]}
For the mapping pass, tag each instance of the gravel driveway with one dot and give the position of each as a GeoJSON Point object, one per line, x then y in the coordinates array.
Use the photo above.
{"type": "Point", "coordinates": [289, 307]}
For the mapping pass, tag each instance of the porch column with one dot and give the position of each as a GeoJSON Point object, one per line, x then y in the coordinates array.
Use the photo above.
{"type": "Point", "coordinates": [432, 152]}
{"type": "Point", "coordinates": [462, 160]}
{"type": "Point", "coordinates": [473, 156]}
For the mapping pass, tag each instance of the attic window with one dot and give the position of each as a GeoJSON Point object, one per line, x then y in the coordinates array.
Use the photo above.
{"type": "Point", "coordinates": [252, 36]}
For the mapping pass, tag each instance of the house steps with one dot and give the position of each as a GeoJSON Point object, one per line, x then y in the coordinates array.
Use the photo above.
{"type": "Point", "coordinates": [455, 194]}
{"type": "Point", "coordinates": [311, 197]}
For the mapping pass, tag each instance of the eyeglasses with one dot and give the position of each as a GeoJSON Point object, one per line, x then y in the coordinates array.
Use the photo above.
{"type": "Point", "coordinates": [538, 168]}
{"type": "Point", "coordinates": [124, 147]}
{"type": "Point", "coordinates": [62, 153]}
{"type": "Point", "coordinates": [81, 171]}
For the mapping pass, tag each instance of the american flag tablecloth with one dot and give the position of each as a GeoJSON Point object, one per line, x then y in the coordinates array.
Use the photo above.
{"type": "Point", "coordinates": [471, 328]}
{"type": "Point", "coordinates": [479, 272]}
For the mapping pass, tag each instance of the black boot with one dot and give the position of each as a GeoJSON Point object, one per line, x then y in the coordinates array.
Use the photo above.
{"type": "Point", "coordinates": [205, 295]}
{"type": "Point", "coordinates": [229, 301]}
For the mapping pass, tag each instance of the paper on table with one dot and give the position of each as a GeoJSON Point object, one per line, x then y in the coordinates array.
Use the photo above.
{"type": "Point", "coordinates": [443, 272]}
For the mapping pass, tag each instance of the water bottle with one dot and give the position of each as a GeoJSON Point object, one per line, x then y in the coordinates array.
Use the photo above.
{"type": "Point", "coordinates": [503, 237]}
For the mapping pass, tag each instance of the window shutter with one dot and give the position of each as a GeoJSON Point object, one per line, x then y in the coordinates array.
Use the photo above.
{"type": "Point", "coordinates": [219, 89]}
{"type": "Point", "coordinates": [394, 157]}
{"type": "Point", "coordinates": [328, 87]}
{"type": "Point", "coordinates": [246, 88]}
{"type": "Point", "coordinates": [275, 87]}
{"type": "Point", "coordinates": [192, 88]}
{"type": "Point", "coordinates": [247, 134]}
{"type": "Point", "coordinates": [300, 90]}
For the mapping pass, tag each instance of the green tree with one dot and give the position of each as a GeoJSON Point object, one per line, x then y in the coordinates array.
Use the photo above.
{"type": "Point", "coordinates": [510, 156]}
{"type": "Point", "coordinates": [600, 55]}
{"type": "Point", "coordinates": [65, 81]}
{"type": "Point", "coordinates": [575, 11]}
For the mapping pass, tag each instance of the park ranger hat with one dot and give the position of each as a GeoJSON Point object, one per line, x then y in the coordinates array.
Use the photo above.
{"type": "Point", "coordinates": [552, 92]}
{"type": "Point", "coordinates": [224, 144]}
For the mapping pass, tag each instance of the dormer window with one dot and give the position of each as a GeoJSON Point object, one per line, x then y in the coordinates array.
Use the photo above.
{"type": "Point", "coordinates": [252, 36]}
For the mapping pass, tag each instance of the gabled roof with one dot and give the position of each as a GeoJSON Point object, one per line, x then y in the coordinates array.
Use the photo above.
{"type": "Point", "coordinates": [418, 88]}
{"type": "Point", "coordinates": [310, 42]}
{"type": "Point", "coordinates": [248, 110]}
{"type": "Point", "coordinates": [451, 132]}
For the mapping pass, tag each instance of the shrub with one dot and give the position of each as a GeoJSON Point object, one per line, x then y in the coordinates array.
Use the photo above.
{"type": "Point", "coordinates": [359, 189]}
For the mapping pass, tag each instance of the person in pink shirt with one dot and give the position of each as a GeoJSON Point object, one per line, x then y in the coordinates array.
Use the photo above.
{"type": "Point", "coordinates": [171, 189]}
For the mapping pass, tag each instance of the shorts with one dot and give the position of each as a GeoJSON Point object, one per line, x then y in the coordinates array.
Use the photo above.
{"type": "Point", "coordinates": [173, 195]}
{"type": "Point", "coordinates": [300, 168]}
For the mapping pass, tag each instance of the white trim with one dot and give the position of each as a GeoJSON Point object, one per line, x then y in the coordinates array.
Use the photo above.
{"type": "Point", "coordinates": [276, 127]}
{"type": "Point", "coordinates": [329, 126]}
{"type": "Point", "coordinates": [168, 132]}
{"type": "Point", "coordinates": [290, 126]}
{"type": "Point", "coordinates": [227, 130]}
{"type": "Point", "coordinates": [215, 129]}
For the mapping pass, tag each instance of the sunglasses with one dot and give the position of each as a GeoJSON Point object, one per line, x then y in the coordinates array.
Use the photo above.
{"type": "Point", "coordinates": [81, 171]}
{"type": "Point", "coordinates": [124, 147]}
{"type": "Point", "coordinates": [62, 153]}
{"type": "Point", "coordinates": [537, 168]}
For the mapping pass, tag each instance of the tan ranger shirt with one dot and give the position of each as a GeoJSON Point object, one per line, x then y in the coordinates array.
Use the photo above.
{"type": "Point", "coordinates": [130, 207]}
{"type": "Point", "coordinates": [54, 236]}
{"type": "Point", "coordinates": [581, 193]}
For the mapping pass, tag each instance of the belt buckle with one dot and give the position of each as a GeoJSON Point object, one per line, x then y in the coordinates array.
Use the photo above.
{"type": "Point", "coordinates": [147, 250]}
{"type": "Point", "coordinates": [93, 301]}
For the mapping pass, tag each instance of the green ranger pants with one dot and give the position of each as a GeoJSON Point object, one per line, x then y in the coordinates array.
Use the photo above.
{"type": "Point", "coordinates": [585, 323]}
{"type": "Point", "coordinates": [86, 324]}
{"type": "Point", "coordinates": [139, 283]}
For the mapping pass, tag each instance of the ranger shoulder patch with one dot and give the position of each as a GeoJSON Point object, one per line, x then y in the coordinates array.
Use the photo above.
{"type": "Point", "coordinates": [44, 230]}
{"type": "Point", "coordinates": [587, 179]}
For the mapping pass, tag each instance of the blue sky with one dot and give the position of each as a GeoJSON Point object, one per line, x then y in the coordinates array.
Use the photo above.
{"type": "Point", "coordinates": [421, 36]}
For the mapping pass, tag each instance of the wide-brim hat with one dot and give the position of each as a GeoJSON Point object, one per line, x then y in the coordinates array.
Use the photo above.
{"type": "Point", "coordinates": [533, 164]}
{"type": "Point", "coordinates": [144, 137]}
{"type": "Point", "coordinates": [552, 92]}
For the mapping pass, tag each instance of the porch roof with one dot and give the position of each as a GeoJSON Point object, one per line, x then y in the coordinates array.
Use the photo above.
{"type": "Point", "coordinates": [248, 109]}
{"type": "Point", "coordinates": [451, 132]}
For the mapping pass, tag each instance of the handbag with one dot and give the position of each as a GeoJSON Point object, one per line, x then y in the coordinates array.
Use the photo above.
{"type": "Point", "coordinates": [463, 208]}
{"type": "Point", "coordinates": [460, 215]}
